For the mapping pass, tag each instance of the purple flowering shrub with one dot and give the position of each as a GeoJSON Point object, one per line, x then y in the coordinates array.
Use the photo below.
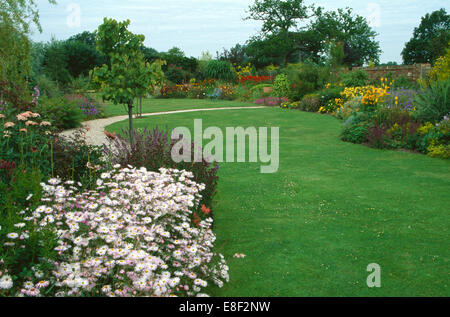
{"type": "Point", "coordinates": [400, 98]}
{"type": "Point", "coordinates": [129, 236]}
{"type": "Point", "coordinates": [88, 105]}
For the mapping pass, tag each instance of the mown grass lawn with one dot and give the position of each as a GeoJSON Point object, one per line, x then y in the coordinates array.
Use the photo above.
{"type": "Point", "coordinates": [333, 207]}
{"type": "Point", "coordinates": [150, 105]}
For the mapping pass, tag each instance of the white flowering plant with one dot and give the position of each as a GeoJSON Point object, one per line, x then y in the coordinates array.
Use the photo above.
{"type": "Point", "coordinates": [21, 244]}
{"type": "Point", "coordinates": [132, 235]}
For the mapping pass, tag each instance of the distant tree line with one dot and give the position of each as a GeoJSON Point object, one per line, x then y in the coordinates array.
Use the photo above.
{"type": "Point", "coordinates": [293, 32]}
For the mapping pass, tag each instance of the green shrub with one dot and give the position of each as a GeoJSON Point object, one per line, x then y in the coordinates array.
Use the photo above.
{"type": "Point", "coordinates": [309, 78]}
{"type": "Point", "coordinates": [354, 133]}
{"type": "Point", "coordinates": [403, 82]}
{"type": "Point", "coordinates": [260, 87]}
{"type": "Point", "coordinates": [292, 71]}
{"type": "Point", "coordinates": [220, 70]}
{"type": "Point", "coordinates": [441, 68]}
{"type": "Point", "coordinates": [18, 198]}
{"type": "Point", "coordinates": [80, 84]}
{"type": "Point", "coordinates": [281, 86]}
{"type": "Point", "coordinates": [63, 113]}
{"type": "Point", "coordinates": [330, 94]}
{"type": "Point", "coordinates": [310, 103]}
{"type": "Point", "coordinates": [243, 93]}
{"type": "Point", "coordinates": [356, 78]}
{"type": "Point", "coordinates": [48, 87]}
{"type": "Point", "coordinates": [349, 108]}
{"type": "Point", "coordinates": [25, 181]}
{"type": "Point", "coordinates": [257, 91]}
{"type": "Point", "coordinates": [434, 140]}
{"type": "Point", "coordinates": [439, 151]}
{"type": "Point", "coordinates": [357, 118]}
{"type": "Point", "coordinates": [317, 76]}
{"type": "Point", "coordinates": [434, 103]}
{"type": "Point", "coordinates": [75, 159]}
{"type": "Point", "coordinates": [176, 74]}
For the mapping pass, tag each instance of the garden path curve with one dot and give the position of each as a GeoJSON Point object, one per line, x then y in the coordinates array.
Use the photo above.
{"type": "Point", "coordinates": [96, 128]}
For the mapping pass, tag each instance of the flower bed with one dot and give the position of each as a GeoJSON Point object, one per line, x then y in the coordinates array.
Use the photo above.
{"type": "Point", "coordinates": [384, 117]}
{"type": "Point", "coordinates": [253, 80]}
{"type": "Point", "coordinates": [132, 235]}
{"type": "Point", "coordinates": [176, 91]}
{"type": "Point", "coordinates": [198, 90]}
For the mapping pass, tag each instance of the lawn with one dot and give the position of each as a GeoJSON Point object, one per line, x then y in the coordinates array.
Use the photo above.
{"type": "Point", "coordinates": [333, 207]}
{"type": "Point", "coordinates": [150, 105]}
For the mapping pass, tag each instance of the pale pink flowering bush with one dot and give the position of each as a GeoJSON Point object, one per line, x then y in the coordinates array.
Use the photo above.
{"type": "Point", "coordinates": [130, 236]}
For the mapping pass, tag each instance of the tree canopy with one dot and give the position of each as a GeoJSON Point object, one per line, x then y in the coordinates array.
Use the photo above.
{"type": "Point", "coordinates": [283, 40]}
{"type": "Point", "coordinates": [20, 13]}
{"type": "Point", "coordinates": [16, 19]}
{"type": "Point", "coordinates": [235, 55]}
{"type": "Point", "coordinates": [278, 15]}
{"type": "Point", "coordinates": [128, 75]}
{"type": "Point", "coordinates": [83, 55]}
{"type": "Point", "coordinates": [353, 31]}
{"type": "Point", "coordinates": [430, 39]}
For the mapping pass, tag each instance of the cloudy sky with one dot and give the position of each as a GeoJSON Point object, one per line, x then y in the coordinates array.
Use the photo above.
{"type": "Point", "coordinates": [210, 25]}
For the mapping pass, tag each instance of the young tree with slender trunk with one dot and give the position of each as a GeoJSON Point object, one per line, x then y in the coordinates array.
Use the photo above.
{"type": "Point", "coordinates": [127, 75]}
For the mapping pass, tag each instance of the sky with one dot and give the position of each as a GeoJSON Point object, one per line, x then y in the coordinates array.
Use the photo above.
{"type": "Point", "coordinates": [197, 26]}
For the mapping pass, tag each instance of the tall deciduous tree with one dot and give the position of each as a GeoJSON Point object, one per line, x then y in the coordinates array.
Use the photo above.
{"type": "Point", "coordinates": [56, 62]}
{"type": "Point", "coordinates": [21, 13]}
{"type": "Point", "coordinates": [430, 39]}
{"type": "Point", "coordinates": [271, 49]}
{"type": "Point", "coordinates": [127, 76]}
{"type": "Point", "coordinates": [358, 38]}
{"type": "Point", "coordinates": [235, 55]}
{"type": "Point", "coordinates": [278, 15]}
{"type": "Point", "coordinates": [82, 54]}
{"type": "Point", "coordinates": [281, 40]}
{"type": "Point", "coordinates": [16, 19]}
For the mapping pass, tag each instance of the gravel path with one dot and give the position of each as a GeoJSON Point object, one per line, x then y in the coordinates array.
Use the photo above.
{"type": "Point", "coordinates": [96, 128]}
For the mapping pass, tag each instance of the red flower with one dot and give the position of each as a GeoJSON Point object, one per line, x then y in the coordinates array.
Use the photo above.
{"type": "Point", "coordinates": [205, 210]}
{"type": "Point", "coordinates": [255, 79]}
{"type": "Point", "coordinates": [196, 220]}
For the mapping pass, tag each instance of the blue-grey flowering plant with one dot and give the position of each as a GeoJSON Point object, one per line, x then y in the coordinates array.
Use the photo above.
{"type": "Point", "coordinates": [401, 98]}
